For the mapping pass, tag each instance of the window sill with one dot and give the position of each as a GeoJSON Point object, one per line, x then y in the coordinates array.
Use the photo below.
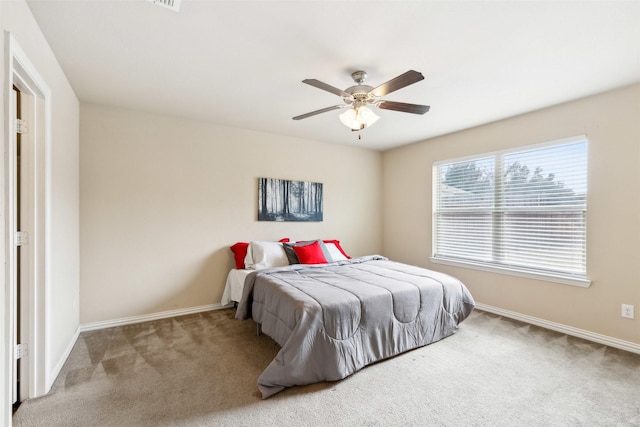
{"type": "Point", "coordinates": [547, 277]}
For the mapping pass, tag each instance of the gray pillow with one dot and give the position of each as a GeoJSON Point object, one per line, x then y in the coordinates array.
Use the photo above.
{"type": "Point", "coordinates": [291, 253]}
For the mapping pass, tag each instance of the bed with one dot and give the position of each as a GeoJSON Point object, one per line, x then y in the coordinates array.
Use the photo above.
{"type": "Point", "coordinates": [335, 318]}
{"type": "Point", "coordinates": [234, 285]}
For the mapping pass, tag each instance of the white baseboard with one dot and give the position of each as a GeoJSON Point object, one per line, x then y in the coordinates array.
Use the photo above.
{"type": "Point", "coordinates": [51, 378]}
{"type": "Point", "coordinates": [558, 327]}
{"type": "Point", "coordinates": [148, 317]}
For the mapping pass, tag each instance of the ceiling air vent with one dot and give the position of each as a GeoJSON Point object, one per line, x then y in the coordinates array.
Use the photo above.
{"type": "Point", "coordinates": [169, 4]}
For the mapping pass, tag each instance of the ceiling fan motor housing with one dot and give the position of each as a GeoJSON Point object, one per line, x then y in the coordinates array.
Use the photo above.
{"type": "Point", "coordinates": [360, 93]}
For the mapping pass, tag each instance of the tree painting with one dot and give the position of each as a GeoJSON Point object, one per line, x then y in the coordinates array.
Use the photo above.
{"type": "Point", "coordinates": [284, 200]}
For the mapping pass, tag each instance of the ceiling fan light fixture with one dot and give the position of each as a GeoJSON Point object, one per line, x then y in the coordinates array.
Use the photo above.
{"type": "Point", "coordinates": [366, 116]}
{"type": "Point", "coordinates": [358, 118]}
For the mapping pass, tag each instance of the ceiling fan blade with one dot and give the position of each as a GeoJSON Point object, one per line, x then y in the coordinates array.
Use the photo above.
{"type": "Point", "coordinates": [403, 107]}
{"type": "Point", "coordinates": [324, 110]}
{"type": "Point", "coordinates": [403, 80]}
{"type": "Point", "coordinates": [324, 86]}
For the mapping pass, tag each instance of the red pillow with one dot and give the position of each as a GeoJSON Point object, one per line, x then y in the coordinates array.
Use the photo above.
{"type": "Point", "coordinates": [240, 251]}
{"type": "Point", "coordinates": [310, 254]}
{"type": "Point", "coordinates": [337, 243]}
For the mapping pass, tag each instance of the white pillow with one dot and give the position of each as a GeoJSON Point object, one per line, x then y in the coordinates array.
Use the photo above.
{"type": "Point", "coordinates": [335, 253]}
{"type": "Point", "coordinates": [265, 255]}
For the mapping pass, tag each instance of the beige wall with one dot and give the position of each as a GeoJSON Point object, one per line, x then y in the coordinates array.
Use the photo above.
{"type": "Point", "coordinates": [162, 199]}
{"type": "Point", "coordinates": [611, 122]}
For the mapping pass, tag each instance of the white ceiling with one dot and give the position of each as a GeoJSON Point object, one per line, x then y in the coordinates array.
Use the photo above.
{"type": "Point", "coordinates": [241, 63]}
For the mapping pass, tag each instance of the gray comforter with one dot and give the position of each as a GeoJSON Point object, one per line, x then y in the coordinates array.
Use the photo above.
{"type": "Point", "coordinates": [332, 320]}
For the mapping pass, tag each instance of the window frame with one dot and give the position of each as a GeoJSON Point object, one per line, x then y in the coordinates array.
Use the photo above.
{"type": "Point", "coordinates": [531, 273]}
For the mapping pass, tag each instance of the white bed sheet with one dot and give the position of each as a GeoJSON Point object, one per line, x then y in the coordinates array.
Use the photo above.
{"type": "Point", "coordinates": [234, 286]}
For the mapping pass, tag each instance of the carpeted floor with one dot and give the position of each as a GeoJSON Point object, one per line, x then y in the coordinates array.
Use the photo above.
{"type": "Point", "coordinates": [201, 370]}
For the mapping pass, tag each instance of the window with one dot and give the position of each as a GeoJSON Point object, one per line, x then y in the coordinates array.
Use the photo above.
{"type": "Point", "coordinates": [519, 211]}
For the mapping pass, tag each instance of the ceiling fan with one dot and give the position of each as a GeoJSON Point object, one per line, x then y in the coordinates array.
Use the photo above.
{"type": "Point", "coordinates": [359, 96]}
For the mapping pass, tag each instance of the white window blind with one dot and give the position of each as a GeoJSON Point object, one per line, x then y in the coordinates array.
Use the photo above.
{"type": "Point", "coordinates": [521, 210]}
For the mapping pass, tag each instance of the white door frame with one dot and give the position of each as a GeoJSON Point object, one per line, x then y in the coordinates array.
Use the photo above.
{"type": "Point", "coordinates": [36, 183]}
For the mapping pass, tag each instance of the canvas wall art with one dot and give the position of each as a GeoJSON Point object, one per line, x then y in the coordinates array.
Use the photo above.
{"type": "Point", "coordinates": [285, 200]}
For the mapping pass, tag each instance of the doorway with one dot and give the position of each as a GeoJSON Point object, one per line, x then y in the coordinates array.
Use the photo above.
{"type": "Point", "coordinates": [26, 213]}
{"type": "Point", "coordinates": [16, 397]}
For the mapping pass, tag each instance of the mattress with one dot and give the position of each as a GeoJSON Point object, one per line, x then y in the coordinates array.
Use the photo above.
{"type": "Point", "coordinates": [234, 285]}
